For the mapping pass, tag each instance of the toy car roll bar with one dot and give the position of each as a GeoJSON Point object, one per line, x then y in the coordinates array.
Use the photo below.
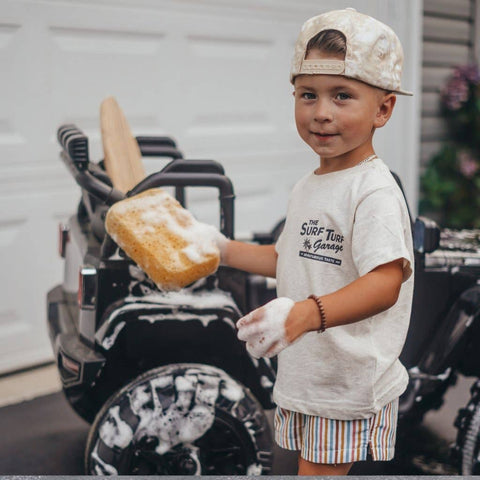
{"type": "Point", "coordinates": [158, 147]}
{"type": "Point", "coordinates": [178, 173]}
{"type": "Point", "coordinates": [76, 158]}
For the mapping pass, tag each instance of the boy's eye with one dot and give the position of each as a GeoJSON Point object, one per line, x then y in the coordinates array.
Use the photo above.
{"type": "Point", "coordinates": [308, 96]}
{"type": "Point", "coordinates": [342, 96]}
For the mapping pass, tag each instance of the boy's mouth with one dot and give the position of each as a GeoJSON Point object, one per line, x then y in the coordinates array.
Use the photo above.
{"type": "Point", "coordinates": [324, 136]}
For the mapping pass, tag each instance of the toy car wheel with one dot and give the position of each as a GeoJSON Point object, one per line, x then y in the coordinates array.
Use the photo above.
{"type": "Point", "coordinates": [467, 447]}
{"type": "Point", "coordinates": [180, 419]}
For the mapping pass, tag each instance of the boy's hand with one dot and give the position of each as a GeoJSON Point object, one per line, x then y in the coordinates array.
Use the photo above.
{"type": "Point", "coordinates": [221, 241]}
{"type": "Point", "coordinates": [264, 329]}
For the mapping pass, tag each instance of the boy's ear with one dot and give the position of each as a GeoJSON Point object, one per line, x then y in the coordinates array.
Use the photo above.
{"type": "Point", "coordinates": [385, 109]}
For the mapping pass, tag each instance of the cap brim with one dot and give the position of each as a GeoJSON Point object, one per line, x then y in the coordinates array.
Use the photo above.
{"type": "Point", "coordinates": [403, 92]}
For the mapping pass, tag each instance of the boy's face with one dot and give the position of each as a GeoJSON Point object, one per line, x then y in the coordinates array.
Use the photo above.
{"type": "Point", "coordinates": [336, 116]}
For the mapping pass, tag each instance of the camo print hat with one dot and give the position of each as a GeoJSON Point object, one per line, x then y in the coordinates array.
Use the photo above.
{"type": "Point", "coordinates": [374, 53]}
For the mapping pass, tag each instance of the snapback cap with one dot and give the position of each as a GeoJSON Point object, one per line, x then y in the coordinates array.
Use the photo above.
{"type": "Point", "coordinates": [374, 54]}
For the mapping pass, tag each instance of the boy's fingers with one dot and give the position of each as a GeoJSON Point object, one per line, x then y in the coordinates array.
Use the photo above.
{"type": "Point", "coordinates": [252, 317]}
{"type": "Point", "coordinates": [277, 347]}
{"type": "Point", "coordinates": [272, 351]}
{"type": "Point", "coordinates": [259, 348]}
{"type": "Point", "coordinates": [248, 331]}
{"type": "Point", "coordinates": [253, 351]}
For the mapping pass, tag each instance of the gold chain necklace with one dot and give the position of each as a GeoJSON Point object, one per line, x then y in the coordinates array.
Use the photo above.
{"type": "Point", "coordinates": [368, 159]}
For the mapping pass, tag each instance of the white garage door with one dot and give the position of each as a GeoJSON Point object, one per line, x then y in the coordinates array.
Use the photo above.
{"type": "Point", "coordinates": [212, 73]}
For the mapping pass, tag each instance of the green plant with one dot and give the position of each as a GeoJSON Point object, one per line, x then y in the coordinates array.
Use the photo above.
{"type": "Point", "coordinates": [450, 185]}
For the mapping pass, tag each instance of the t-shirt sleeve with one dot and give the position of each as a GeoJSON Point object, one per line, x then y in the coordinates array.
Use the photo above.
{"type": "Point", "coordinates": [278, 243]}
{"type": "Point", "coordinates": [381, 232]}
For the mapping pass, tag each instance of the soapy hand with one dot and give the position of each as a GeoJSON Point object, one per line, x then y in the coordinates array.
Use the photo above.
{"type": "Point", "coordinates": [264, 328]}
{"type": "Point", "coordinates": [220, 240]}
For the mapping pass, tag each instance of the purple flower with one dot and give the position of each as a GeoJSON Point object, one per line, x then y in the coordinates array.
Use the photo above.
{"type": "Point", "coordinates": [457, 90]}
{"type": "Point", "coordinates": [470, 72]}
{"type": "Point", "coordinates": [455, 93]}
{"type": "Point", "coordinates": [467, 164]}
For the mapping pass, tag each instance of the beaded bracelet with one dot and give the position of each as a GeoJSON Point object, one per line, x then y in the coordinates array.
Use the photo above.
{"type": "Point", "coordinates": [323, 317]}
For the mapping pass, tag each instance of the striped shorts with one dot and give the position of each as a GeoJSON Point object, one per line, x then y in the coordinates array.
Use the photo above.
{"type": "Point", "coordinates": [324, 440]}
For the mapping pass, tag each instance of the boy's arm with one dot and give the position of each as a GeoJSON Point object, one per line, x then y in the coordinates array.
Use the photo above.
{"type": "Point", "coordinates": [258, 259]}
{"type": "Point", "coordinates": [269, 329]}
{"type": "Point", "coordinates": [369, 295]}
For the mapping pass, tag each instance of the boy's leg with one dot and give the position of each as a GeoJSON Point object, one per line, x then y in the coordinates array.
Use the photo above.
{"type": "Point", "coordinates": [309, 468]}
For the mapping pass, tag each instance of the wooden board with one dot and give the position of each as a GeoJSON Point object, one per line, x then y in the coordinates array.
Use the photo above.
{"type": "Point", "coordinates": [123, 160]}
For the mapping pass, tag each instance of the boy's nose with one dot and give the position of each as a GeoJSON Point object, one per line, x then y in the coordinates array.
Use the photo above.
{"type": "Point", "coordinates": [323, 111]}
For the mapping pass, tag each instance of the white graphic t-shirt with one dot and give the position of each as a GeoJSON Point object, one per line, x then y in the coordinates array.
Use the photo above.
{"type": "Point", "coordinates": [339, 227]}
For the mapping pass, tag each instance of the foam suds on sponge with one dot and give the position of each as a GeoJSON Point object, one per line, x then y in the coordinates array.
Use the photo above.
{"type": "Point", "coordinates": [162, 210]}
{"type": "Point", "coordinates": [164, 239]}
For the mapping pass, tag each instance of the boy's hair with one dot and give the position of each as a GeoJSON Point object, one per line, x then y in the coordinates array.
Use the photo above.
{"type": "Point", "coordinates": [375, 57]}
{"type": "Point", "coordinates": [328, 41]}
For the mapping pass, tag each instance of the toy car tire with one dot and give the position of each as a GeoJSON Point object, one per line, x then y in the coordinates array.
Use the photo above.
{"type": "Point", "coordinates": [180, 419]}
{"type": "Point", "coordinates": [467, 447]}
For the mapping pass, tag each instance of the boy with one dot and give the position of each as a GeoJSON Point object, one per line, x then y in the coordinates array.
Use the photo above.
{"type": "Point", "coordinates": [344, 260]}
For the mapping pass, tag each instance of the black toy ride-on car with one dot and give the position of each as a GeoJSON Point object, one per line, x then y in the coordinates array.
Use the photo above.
{"type": "Point", "coordinates": [166, 384]}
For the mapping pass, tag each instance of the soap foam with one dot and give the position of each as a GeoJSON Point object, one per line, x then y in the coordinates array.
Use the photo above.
{"type": "Point", "coordinates": [207, 299]}
{"type": "Point", "coordinates": [161, 211]}
{"type": "Point", "coordinates": [264, 328]}
{"type": "Point", "coordinates": [115, 432]}
{"type": "Point", "coordinates": [183, 422]}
